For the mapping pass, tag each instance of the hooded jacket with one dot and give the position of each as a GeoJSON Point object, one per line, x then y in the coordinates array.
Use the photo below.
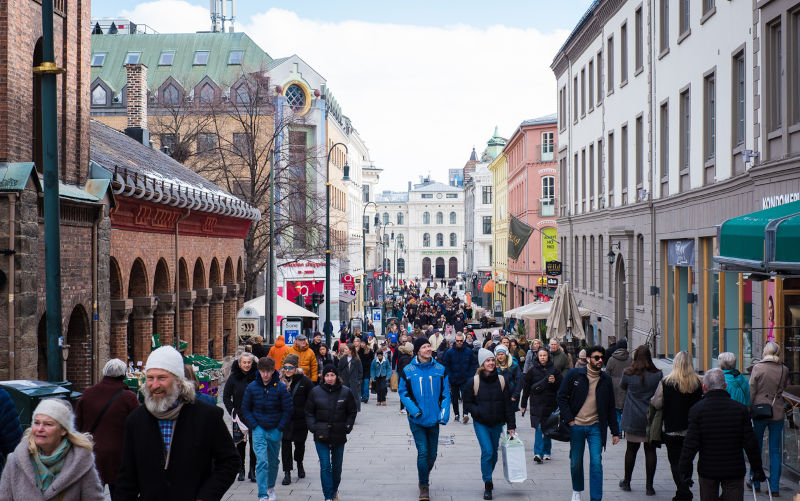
{"type": "Point", "coordinates": [425, 392]}
{"type": "Point", "coordinates": [278, 351]}
{"type": "Point", "coordinates": [307, 362]}
{"type": "Point", "coordinates": [267, 405]}
{"type": "Point", "coordinates": [331, 406]}
{"type": "Point", "coordinates": [78, 480]}
{"type": "Point", "coordinates": [405, 353]}
{"type": "Point", "coordinates": [299, 387]}
{"type": "Point", "coordinates": [619, 361]}
{"type": "Point", "coordinates": [235, 386]}
{"type": "Point", "coordinates": [737, 386]}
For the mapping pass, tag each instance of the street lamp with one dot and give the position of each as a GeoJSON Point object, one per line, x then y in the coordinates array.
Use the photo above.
{"type": "Point", "coordinates": [611, 255]}
{"type": "Point", "coordinates": [364, 254]}
{"type": "Point", "coordinates": [328, 329]}
{"type": "Point", "coordinates": [384, 245]}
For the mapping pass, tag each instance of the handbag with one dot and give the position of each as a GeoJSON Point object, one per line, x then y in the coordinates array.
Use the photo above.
{"type": "Point", "coordinates": [764, 411]}
{"type": "Point", "coordinates": [238, 436]}
{"type": "Point", "coordinates": [555, 428]}
{"type": "Point", "coordinates": [393, 381]}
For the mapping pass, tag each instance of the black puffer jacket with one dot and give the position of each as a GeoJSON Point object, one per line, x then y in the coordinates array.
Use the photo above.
{"type": "Point", "coordinates": [542, 392]}
{"type": "Point", "coordinates": [492, 405]}
{"type": "Point", "coordinates": [719, 428]}
{"type": "Point", "coordinates": [334, 407]}
{"type": "Point", "coordinates": [234, 389]}
{"type": "Point", "coordinates": [300, 388]}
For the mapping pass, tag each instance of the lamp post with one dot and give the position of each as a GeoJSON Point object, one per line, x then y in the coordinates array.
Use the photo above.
{"type": "Point", "coordinates": [384, 245]}
{"type": "Point", "coordinates": [364, 254]}
{"type": "Point", "coordinates": [328, 325]}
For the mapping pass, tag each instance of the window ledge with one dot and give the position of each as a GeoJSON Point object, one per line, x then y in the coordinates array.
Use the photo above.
{"type": "Point", "coordinates": [638, 70]}
{"type": "Point", "coordinates": [623, 83]}
{"type": "Point", "coordinates": [610, 92]}
{"type": "Point", "coordinates": [663, 53]}
{"type": "Point", "coordinates": [775, 133]}
{"type": "Point", "coordinates": [738, 149]}
{"type": "Point", "coordinates": [710, 162]}
{"type": "Point", "coordinates": [708, 15]}
{"type": "Point", "coordinates": [683, 36]}
{"type": "Point", "coordinates": [665, 179]}
{"type": "Point", "coordinates": [591, 109]}
{"type": "Point", "coordinates": [794, 128]}
{"type": "Point", "coordinates": [683, 172]}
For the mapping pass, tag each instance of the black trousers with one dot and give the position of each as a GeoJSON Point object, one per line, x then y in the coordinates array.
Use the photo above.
{"type": "Point", "coordinates": [240, 448]}
{"type": "Point", "coordinates": [674, 445]}
{"type": "Point", "coordinates": [299, 451]}
{"type": "Point", "coordinates": [379, 385]}
{"type": "Point", "coordinates": [456, 394]}
{"type": "Point", "coordinates": [732, 489]}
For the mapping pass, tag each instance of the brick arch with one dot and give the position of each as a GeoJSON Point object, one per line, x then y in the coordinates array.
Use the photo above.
{"type": "Point", "coordinates": [213, 274]}
{"type": "Point", "coordinates": [137, 280]}
{"type": "Point", "coordinates": [161, 283]}
{"type": "Point", "coordinates": [80, 348]}
{"type": "Point", "coordinates": [239, 271]}
{"type": "Point", "coordinates": [115, 279]}
{"type": "Point", "coordinates": [183, 276]}
{"type": "Point", "coordinates": [199, 275]}
{"type": "Point", "coordinates": [229, 279]}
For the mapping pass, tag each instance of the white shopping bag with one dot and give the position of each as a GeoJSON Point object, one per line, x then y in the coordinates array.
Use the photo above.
{"type": "Point", "coordinates": [514, 467]}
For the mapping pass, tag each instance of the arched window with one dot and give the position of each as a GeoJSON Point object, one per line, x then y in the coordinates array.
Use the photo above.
{"type": "Point", "coordinates": [399, 218]}
{"type": "Point", "coordinates": [385, 218]}
{"type": "Point", "coordinates": [206, 94]}
{"type": "Point", "coordinates": [426, 240]}
{"type": "Point", "coordinates": [401, 240]}
{"type": "Point", "coordinates": [453, 240]}
{"type": "Point", "coordinates": [426, 217]}
{"type": "Point", "coordinates": [439, 218]}
{"type": "Point", "coordinates": [171, 95]}
{"type": "Point", "coordinates": [452, 218]}
{"type": "Point", "coordinates": [439, 240]}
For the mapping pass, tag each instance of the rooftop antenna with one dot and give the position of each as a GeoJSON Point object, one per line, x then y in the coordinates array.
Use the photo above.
{"type": "Point", "coordinates": [217, 9]}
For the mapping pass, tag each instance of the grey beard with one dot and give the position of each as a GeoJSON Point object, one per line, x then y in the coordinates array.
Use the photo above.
{"type": "Point", "coordinates": [159, 405]}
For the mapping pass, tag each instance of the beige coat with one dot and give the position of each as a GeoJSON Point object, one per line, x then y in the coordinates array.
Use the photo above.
{"type": "Point", "coordinates": [767, 379]}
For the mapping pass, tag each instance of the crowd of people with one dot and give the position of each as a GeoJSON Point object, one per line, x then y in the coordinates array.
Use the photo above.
{"type": "Point", "coordinates": [178, 446]}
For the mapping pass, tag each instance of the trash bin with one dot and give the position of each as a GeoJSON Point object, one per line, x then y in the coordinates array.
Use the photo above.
{"type": "Point", "coordinates": [27, 394]}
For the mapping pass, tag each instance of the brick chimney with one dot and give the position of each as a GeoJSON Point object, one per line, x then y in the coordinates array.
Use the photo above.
{"type": "Point", "coordinates": [136, 97]}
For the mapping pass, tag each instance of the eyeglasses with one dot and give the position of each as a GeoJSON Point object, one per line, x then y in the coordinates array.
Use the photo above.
{"type": "Point", "coordinates": [289, 367]}
{"type": "Point", "coordinates": [459, 340]}
{"type": "Point", "coordinates": [597, 357]}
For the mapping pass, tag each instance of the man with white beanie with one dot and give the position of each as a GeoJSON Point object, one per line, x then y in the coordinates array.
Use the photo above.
{"type": "Point", "coordinates": [175, 447]}
{"type": "Point", "coordinates": [102, 411]}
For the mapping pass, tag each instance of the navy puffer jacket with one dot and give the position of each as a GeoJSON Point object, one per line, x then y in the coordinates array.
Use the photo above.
{"type": "Point", "coordinates": [10, 430]}
{"type": "Point", "coordinates": [267, 405]}
{"type": "Point", "coordinates": [459, 363]}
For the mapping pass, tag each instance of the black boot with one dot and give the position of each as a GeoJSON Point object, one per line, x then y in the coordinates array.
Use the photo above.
{"type": "Point", "coordinates": [252, 473]}
{"type": "Point", "coordinates": [301, 473]}
{"type": "Point", "coordinates": [287, 478]}
{"type": "Point", "coordinates": [241, 474]}
{"type": "Point", "coordinates": [487, 490]}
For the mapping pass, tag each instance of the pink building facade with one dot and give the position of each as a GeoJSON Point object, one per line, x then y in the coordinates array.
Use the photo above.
{"type": "Point", "coordinates": [532, 188]}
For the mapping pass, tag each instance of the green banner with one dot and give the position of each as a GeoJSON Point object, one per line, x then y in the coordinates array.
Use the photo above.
{"type": "Point", "coordinates": [549, 244]}
{"type": "Point", "coordinates": [518, 235]}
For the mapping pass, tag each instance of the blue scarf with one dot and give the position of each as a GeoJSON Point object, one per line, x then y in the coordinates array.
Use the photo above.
{"type": "Point", "coordinates": [48, 467]}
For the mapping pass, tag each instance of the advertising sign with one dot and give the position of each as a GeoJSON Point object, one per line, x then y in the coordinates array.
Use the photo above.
{"type": "Point", "coordinates": [553, 268]}
{"type": "Point", "coordinates": [549, 244]}
{"type": "Point", "coordinates": [291, 327]}
{"type": "Point", "coordinates": [348, 282]}
{"type": "Point", "coordinates": [304, 287]}
{"type": "Point", "coordinates": [680, 253]}
{"type": "Point", "coordinates": [518, 235]}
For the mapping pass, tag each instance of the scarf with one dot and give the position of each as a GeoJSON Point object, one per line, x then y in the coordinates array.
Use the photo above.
{"type": "Point", "coordinates": [47, 468]}
{"type": "Point", "coordinates": [170, 414]}
{"type": "Point", "coordinates": [771, 358]}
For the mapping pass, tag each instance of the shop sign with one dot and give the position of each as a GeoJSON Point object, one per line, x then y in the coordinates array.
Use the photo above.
{"type": "Point", "coordinates": [776, 200]}
{"type": "Point", "coordinates": [553, 268]}
{"type": "Point", "coordinates": [347, 282]}
{"type": "Point", "coordinates": [552, 282]}
{"type": "Point", "coordinates": [680, 253]}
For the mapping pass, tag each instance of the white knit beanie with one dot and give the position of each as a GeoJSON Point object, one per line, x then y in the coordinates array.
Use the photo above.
{"type": "Point", "coordinates": [166, 358]}
{"type": "Point", "coordinates": [483, 355]}
{"type": "Point", "coordinates": [59, 410]}
{"type": "Point", "coordinates": [499, 348]}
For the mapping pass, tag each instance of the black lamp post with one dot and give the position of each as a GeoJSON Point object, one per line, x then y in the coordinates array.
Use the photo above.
{"type": "Point", "coordinates": [328, 325]}
{"type": "Point", "coordinates": [364, 254]}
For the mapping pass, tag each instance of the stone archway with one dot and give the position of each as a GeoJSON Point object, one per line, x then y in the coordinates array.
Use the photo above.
{"type": "Point", "coordinates": [79, 339]}
{"type": "Point", "coordinates": [620, 298]}
{"type": "Point", "coordinates": [439, 267]}
{"type": "Point", "coordinates": [426, 267]}
{"type": "Point", "coordinates": [140, 324]}
{"type": "Point", "coordinates": [452, 265]}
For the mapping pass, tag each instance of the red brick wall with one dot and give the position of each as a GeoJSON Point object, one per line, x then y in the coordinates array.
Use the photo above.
{"type": "Point", "coordinates": [200, 329]}
{"type": "Point", "coordinates": [215, 328]}
{"type": "Point", "coordinates": [119, 341]}
{"type": "Point", "coordinates": [165, 327]}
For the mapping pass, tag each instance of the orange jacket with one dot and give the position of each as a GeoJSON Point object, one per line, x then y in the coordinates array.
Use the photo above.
{"type": "Point", "coordinates": [278, 351]}
{"type": "Point", "coordinates": [308, 361]}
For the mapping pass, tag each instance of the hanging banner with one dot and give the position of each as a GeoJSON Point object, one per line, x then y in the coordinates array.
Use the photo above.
{"type": "Point", "coordinates": [518, 235]}
{"type": "Point", "coordinates": [680, 253]}
{"type": "Point", "coordinates": [549, 244]}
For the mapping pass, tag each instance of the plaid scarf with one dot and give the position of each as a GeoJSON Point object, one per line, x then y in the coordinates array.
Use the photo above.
{"type": "Point", "coordinates": [48, 467]}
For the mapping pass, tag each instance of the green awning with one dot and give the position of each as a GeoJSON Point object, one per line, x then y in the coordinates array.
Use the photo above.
{"type": "Point", "coordinates": [767, 240]}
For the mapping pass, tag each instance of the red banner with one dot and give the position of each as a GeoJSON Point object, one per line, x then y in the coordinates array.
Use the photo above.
{"type": "Point", "coordinates": [304, 287]}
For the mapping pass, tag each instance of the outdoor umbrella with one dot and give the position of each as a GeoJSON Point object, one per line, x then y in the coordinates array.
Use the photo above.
{"type": "Point", "coordinates": [564, 314]}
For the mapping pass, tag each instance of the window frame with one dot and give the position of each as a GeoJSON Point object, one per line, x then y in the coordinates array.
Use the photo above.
{"type": "Point", "coordinates": [623, 54]}
{"type": "Point", "coordinates": [102, 56]}
{"type": "Point", "coordinates": [610, 64]}
{"type": "Point", "coordinates": [710, 115]}
{"type": "Point", "coordinates": [663, 28]}
{"type": "Point", "coordinates": [638, 41]}
{"type": "Point", "coordinates": [738, 99]}
{"type": "Point", "coordinates": [240, 52]}
{"type": "Point", "coordinates": [105, 92]}
{"type": "Point", "coordinates": [485, 220]}
{"type": "Point", "coordinates": [684, 19]}
{"type": "Point", "coordinates": [166, 52]}
{"type": "Point", "coordinates": [197, 60]}
{"type": "Point", "coordinates": [128, 55]}
{"type": "Point", "coordinates": [685, 129]}
{"type": "Point", "coordinates": [599, 77]}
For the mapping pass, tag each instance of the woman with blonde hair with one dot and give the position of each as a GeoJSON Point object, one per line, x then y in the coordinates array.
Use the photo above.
{"type": "Point", "coordinates": [53, 460]}
{"type": "Point", "coordinates": [676, 394]}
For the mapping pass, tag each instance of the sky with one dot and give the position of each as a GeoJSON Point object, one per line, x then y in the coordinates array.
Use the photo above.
{"type": "Point", "coordinates": [422, 81]}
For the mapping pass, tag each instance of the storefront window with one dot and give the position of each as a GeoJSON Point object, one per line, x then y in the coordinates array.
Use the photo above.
{"type": "Point", "coordinates": [731, 318]}
{"type": "Point", "coordinates": [747, 324]}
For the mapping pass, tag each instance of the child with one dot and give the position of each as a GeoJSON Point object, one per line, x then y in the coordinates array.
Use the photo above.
{"type": "Point", "coordinates": [379, 371]}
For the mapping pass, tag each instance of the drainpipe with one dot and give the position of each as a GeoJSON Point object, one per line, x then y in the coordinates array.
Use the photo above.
{"type": "Point", "coordinates": [12, 329]}
{"type": "Point", "coordinates": [176, 334]}
{"type": "Point", "coordinates": [95, 259]}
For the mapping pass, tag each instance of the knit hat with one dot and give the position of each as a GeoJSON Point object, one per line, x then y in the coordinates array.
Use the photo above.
{"type": "Point", "coordinates": [59, 410]}
{"type": "Point", "coordinates": [419, 343]}
{"type": "Point", "coordinates": [166, 358]}
{"type": "Point", "coordinates": [499, 348]}
{"type": "Point", "coordinates": [483, 355]}
{"type": "Point", "coordinates": [291, 359]}
{"type": "Point", "coordinates": [496, 334]}
{"type": "Point", "coordinates": [115, 368]}
{"type": "Point", "coordinates": [329, 368]}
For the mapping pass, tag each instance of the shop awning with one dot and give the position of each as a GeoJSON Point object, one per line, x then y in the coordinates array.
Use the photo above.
{"type": "Point", "coordinates": [766, 241]}
{"type": "Point", "coordinates": [489, 287]}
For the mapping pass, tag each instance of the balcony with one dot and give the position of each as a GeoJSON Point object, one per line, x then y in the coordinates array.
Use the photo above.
{"type": "Point", "coordinates": [547, 207]}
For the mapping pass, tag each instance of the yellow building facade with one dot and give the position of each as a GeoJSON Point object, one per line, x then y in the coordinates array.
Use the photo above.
{"type": "Point", "coordinates": [499, 169]}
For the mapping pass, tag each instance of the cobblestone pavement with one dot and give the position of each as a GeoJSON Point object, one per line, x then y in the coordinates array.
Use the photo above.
{"type": "Point", "coordinates": [380, 462]}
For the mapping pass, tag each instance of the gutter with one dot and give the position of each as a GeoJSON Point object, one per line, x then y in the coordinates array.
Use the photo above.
{"type": "Point", "coordinates": [12, 329]}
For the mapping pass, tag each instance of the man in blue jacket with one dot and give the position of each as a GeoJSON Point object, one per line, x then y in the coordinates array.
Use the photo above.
{"type": "Point", "coordinates": [459, 365]}
{"type": "Point", "coordinates": [10, 429]}
{"type": "Point", "coordinates": [267, 405]}
{"type": "Point", "coordinates": [586, 402]}
{"type": "Point", "coordinates": [425, 393]}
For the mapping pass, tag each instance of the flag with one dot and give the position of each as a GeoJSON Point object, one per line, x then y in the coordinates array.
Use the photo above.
{"type": "Point", "coordinates": [518, 235]}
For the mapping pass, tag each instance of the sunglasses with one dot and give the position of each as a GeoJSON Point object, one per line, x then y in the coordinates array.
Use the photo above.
{"type": "Point", "coordinates": [597, 357]}
{"type": "Point", "coordinates": [289, 367]}
{"type": "Point", "coordinates": [459, 340]}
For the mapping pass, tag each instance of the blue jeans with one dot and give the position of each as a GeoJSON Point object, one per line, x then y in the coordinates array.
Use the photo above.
{"type": "Point", "coordinates": [541, 445]}
{"type": "Point", "coordinates": [266, 444]}
{"type": "Point", "coordinates": [330, 467]}
{"type": "Point", "coordinates": [365, 389]}
{"type": "Point", "coordinates": [426, 439]}
{"type": "Point", "coordinates": [580, 436]}
{"type": "Point", "coordinates": [488, 439]}
{"type": "Point", "coordinates": [775, 445]}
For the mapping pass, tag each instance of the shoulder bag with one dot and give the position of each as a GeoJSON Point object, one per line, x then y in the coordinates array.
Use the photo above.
{"type": "Point", "coordinates": [100, 416]}
{"type": "Point", "coordinates": [764, 411]}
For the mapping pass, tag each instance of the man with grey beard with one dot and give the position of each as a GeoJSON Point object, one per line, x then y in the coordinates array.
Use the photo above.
{"type": "Point", "coordinates": [175, 447]}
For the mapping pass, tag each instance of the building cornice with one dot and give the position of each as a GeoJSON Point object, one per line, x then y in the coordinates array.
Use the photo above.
{"type": "Point", "coordinates": [584, 34]}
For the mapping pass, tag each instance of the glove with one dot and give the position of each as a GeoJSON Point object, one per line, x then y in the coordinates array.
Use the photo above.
{"type": "Point", "coordinates": [687, 480]}
{"type": "Point", "coordinates": [348, 429]}
{"type": "Point", "coordinates": [759, 476]}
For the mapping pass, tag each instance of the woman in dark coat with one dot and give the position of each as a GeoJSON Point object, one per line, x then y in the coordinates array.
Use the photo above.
{"type": "Point", "coordinates": [243, 372]}
{"type": "Point", "coordinates": [299, 387]}
{"type": "Point", "coordinates": [350, 371]}
{"type": "Point", "coordinates": [540, 384]}
{"type": "Point", "coordinates": [640, 380]}
{"type": "Point", "coordinates": [258, 349]}
{"type": "Point", "coordinates": [324, 358]}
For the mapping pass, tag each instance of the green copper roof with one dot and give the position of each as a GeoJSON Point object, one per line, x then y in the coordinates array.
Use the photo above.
{"type": "Point", "coordinates": [182, 69]}
{"type": "Point", "coordinates": [14, 175]}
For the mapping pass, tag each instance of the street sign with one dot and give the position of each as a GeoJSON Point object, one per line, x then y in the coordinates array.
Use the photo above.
{"type": "Point", "coordinates": [552, 282]}
{"type": "Point", "coordinates": [376, 316]}
{"type": "Point", "coordinates": [291, 327]}
{"type": "Point", "coordinates": [553, 268]}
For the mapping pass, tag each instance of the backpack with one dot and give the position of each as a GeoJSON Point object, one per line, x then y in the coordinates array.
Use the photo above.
{"type": "Point", "coordinates": [476, 382]}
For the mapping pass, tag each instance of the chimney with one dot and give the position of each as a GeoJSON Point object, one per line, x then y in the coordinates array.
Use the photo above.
{"type": "Point", "coordinates": [409, 186]}
{"type": "Point", "coordinates": [136, 97]}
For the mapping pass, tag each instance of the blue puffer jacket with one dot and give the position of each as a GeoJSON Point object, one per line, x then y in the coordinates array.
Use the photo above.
{"type": "Point", "coordinates": [267, 405]}
{"type": "Point", "coordinates": [10, 430]}
{"type": "Point", "coordinates": [425, 392]}
{"type": "Point", "coordinates": [460, 364]}
{"type": "Point", "coordinates": [737, 386]}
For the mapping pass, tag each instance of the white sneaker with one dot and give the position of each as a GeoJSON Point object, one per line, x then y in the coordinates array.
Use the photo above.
{"type": "Point", "coordinates": [263, 499]}
{"type": "Point", "coordinates": [576, 496]}
{"type": "Point", "coordinates": [546, 457]}
{"type": "Point", "coordinates": [271, 494]}
{"type": "Point", "coordinates": [403, 412]}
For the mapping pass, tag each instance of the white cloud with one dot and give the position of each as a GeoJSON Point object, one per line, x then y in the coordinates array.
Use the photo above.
{"type": "Point", "coordinates": [421, 97]}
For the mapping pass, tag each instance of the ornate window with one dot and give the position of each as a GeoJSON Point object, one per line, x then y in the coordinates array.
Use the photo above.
{"type": "Point", "coordinates": [426, 240]}
{"type": "Point", "coordinates": [439, 218]}
{"type": "Point", "coordinates": [453, 240]}
{"type": "Point", "coordinates": [439, 240]}
{"type": "Point", "coordinates": [206, 94]}
{"type": "Point", "coordinates": [242, 94]}
{"type": "Point", "coordinates": [426, 217]}
{"type": "Point", "coordinates": [399, 218]}
{"type": "Point", "coordinates": [452, 218]}
{"type": "Point", "coordinates": [171, 95]}
{"type": "Point", "coordinates": [296, 96]}
{"type": "Point", "coordinates": [385, 218]}
{"type": "Point", "coordinates": [99, 96]}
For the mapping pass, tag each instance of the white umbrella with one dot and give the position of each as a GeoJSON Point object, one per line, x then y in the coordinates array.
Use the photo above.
{"type": "Point", "coordinates": [565, 317]}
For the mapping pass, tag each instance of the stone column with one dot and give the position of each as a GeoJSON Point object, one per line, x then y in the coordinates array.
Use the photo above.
{"type": "Point", "coordinates": [118, 339]}
{"type": "Point", "coordinates": [200, 322]}
{"type": "Point", "coordinates": [165, 318]}
{"type": "Point", "coordinates": [186, 304]}
{"type": "Point", "coordinates": [240, 298]}
{"type": "Point", "coordinates": [229, 318]}
{"type": "Point", "coordinates": [143, 308]}
{"type": "Point", "coordinates": [215, 314]}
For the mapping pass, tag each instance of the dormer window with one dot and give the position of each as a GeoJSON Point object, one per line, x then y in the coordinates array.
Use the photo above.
{"type": "Point", "coordinates": [166, 58]}
{"type": "Point", "coordinates": [207, 94]}
{"type": "Point", "coordinates": [201, 57]}
{"type": "Point", "coordinates": [235, 57]}
{"type": "Point", "coordinates": [99, 96]}
{"type": "Point", "coordinates": [170, 95]}
{"type": "Point", "coordinates": [98, 59]}
{"type": "Point", "coordinates": [132, 57]}
{"type": "Point", "coordinates": [242, 94]}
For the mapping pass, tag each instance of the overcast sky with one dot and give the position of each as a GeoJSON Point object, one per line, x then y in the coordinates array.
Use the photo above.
{"type": "Point", "coordinates": [422, 81]}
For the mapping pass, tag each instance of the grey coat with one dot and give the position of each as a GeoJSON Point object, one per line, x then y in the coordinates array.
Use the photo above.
{"type": "Point", "coordinates": [78, 480]}
{"type": "Point", "coordinates": [637, 400]}
{"type": "Point", "coordinates": [619, 361]}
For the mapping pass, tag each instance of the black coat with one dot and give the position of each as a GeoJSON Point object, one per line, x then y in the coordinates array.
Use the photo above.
{"type": "Point", "coordinates": [334, 407]}
{"type": "Point", "coordinates": [259, 350]}
{"type": "Point", "coordinates": [300, 389]}
{"type": "Point", "coordinates": [719, 428]}
{"type": "Point", "coordinates": [573, 392]}
{"type": "Point", "coordinates": [203, 461]}
{"type": "Point", "coordinates": [351, 375]}
{"type": "Point", "coordinates": [233, 392]}
{"type": "Point", "coordinates": [491, 406]}
{"type": "Point", "coordinates": [366, 358]}
{"type": "Point", "coordinates": [540, 391]}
